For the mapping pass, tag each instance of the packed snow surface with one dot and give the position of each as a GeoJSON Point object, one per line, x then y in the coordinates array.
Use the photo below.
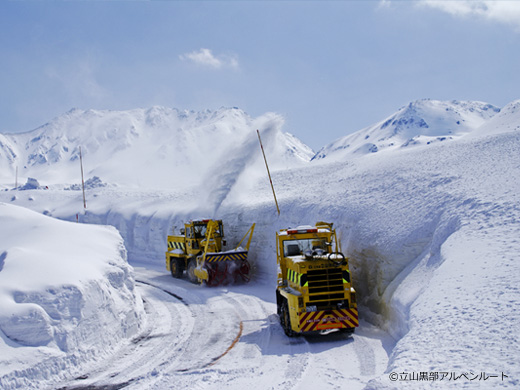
{"type": "Point", "coordinates": [432, 230]}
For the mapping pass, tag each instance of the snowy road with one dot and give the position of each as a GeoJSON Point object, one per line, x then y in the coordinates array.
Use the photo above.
{"type": "Point", "coordinates": [229, 338]}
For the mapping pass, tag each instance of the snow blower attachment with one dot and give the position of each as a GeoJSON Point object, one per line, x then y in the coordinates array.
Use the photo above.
{"type": "Point", "coordinates": [314, 293]}
{"type": "Point", "coordinates": [198, 250]}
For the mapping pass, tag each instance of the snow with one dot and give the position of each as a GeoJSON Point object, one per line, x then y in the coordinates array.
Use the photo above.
{"type": "Point", "coordinates": [175, 148]}
{"type": "Point", "coordinates": [506, 121]}
{"type": "Point", "coordinates": [422, 122]}
{"type": "Point", "coordinates": [431, 230]}
{"type": "Point", "coordinates": [69, 301]}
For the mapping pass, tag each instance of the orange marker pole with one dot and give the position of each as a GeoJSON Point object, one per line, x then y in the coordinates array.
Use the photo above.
{"type": "Point", "coordinates": [82, 180]}
{"type": "Point", "coordinates": [268, 173]}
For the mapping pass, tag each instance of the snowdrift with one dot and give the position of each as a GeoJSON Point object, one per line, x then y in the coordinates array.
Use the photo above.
{"type": "Point", "coordinates": [66, 296]}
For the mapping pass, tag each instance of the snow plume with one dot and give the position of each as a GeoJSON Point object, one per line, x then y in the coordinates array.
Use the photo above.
{"type": "Point", "coordinates": [240, 161]}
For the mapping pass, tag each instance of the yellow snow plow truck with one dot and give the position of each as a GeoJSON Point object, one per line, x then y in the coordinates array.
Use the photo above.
{"type": "Point", "coordinates": [199, 251]}
{"type": "Point", "coordinates": [314, 292]}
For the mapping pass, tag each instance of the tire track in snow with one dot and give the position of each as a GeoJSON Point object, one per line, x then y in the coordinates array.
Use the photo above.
{"type": "Point", "coordinates": [141, 357]}
{"type": "Point", "coordinates": [232, 339]}
{"type": "Point", "coordinates": [218, 335]}
{"type": "Point", "coordinates": [166, 291]}
{"type": "Point", "coordinates": [189, 354]}
{"type": "Point", "coordinates": [297, 364]}
{"type": "Point", "coordinates": [286, 366]}
{"type": "Point", "coordinates": [229, 348]}
{"type": "Point", "coordinates": [214, 359]}
{"type": "Point", "coordinates": [365, 355]}
{"type": "Point", "coordinates": [243, 360]}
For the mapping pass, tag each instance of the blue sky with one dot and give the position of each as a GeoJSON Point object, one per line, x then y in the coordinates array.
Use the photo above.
{"type": "Point", "coordinates": [330, 68]}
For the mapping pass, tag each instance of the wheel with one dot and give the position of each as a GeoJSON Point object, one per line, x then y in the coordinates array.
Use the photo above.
{"type": "Point", "coordinates": [192, 264]}
{"type": "Point", "coordinates": [176, 267]}
{"type": "Point", "coordinates": [279, 299]}
{"type": "Point", "coordinates": [285, 319]}
{"type": "Point", "coordinates": [347, 331]}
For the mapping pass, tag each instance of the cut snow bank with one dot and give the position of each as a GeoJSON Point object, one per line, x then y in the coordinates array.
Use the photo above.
{"type": "Point", "coordinates": [66, 294]}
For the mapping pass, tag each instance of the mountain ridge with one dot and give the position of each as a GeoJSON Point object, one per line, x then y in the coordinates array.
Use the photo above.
{"type": "Point", "coordinates": [125, 146]}
{"type": "Point", "coordinates": [171, 147]}
{"type": "Point", "coordinates": [420, 122]}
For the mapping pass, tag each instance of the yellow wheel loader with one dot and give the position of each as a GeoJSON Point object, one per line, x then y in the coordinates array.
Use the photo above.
{"type": "Point", "coordinates": [314, 292]}
{"type": "Point", "coordinates": [198, 250]}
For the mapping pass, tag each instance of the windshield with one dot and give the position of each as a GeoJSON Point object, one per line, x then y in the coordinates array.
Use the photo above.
{"type": "Point", "coordinates": [200, 230]}
{"type": "Point", "coordinates": [298, 247]}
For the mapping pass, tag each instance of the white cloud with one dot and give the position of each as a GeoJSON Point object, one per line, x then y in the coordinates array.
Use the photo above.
{"type": "Point", "coordinates": [205, 57]}
{"type": "Point", "coordinates": [500, 11]}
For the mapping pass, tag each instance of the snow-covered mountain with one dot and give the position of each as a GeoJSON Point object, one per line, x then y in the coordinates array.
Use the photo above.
{"type": "Point", "coordinates": [422, 122]}
{"type": "Point", "coordinates": [158, 147]}
{"type": "Point", "coordinates": [507, 120]}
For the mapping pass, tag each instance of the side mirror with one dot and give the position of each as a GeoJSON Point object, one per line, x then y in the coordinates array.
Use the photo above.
{"type": "Point", "coordinates": [182, 231]}
{"type": "Point", "coordinates": [224, 242]}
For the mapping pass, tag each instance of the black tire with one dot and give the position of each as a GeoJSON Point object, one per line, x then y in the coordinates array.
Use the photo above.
{"type": "Point", "coordinates": [285, 319]}
{"type": "Point", "coordinates": [176, 267]}
{"type": "Point", "coordinates": [279, 299]}
{"type": "Point", "coordinates": [347, 331]}
{"type": "Point", "coordinates": [192, 264]}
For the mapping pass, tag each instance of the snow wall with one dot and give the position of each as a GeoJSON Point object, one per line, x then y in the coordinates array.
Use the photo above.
{"type": "Point", "coordinates": [61, 305]}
